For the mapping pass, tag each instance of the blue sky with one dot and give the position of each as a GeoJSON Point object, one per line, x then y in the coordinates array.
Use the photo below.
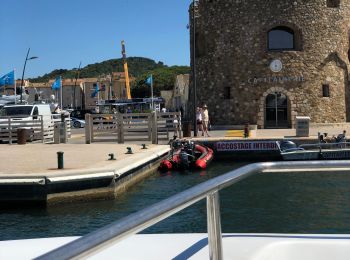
{"type": "Point", "coordinates": [64, 32]}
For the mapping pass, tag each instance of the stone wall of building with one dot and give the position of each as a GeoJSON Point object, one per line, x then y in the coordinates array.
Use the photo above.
{"type": "Point", "coordinates": [233, 61]}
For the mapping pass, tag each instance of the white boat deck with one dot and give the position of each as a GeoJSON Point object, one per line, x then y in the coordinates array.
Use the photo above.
{"type": "Point", "coordinates": [195, 246]}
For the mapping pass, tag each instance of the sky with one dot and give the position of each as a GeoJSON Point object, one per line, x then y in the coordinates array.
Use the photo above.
{"type": "Point", "coordinates": [63, 33]}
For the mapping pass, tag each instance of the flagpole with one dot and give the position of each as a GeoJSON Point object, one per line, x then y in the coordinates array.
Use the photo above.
{"type": "Point", "coordinates": [152, 91]}
{"type": "Point", "coordinates": [14, 82]}
{"type": "Point", "coordinates": [61, 88]}
{"type": "Point", "coordinates": [98, 91]}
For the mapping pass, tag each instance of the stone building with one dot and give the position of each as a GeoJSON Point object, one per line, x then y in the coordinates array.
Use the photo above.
{"type": "Point", "coordinates": [177, 98]}
{"type": "Point", "coordinates": [180, 92]}
{"type": "Point", "coordinates": [266, 62]}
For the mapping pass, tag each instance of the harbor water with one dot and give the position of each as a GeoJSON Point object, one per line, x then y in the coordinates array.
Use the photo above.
{"type": "Point", "coordinates": [268, 203]}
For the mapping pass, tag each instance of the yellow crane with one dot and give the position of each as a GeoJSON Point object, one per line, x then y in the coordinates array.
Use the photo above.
{"type": "Point", "coordinates": [126, 71]}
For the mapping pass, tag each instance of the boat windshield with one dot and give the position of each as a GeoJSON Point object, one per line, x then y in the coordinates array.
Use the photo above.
{"type": "Point", "coordinates": [16, 110]}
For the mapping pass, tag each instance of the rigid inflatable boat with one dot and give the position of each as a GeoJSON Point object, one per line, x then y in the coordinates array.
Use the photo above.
{"type": "Point", "coordinates": [187, 155]}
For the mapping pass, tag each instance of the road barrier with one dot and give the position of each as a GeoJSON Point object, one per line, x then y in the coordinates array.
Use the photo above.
{"type": "Point", "coordinates": [121, 128]}
{"type": "Point", "coordinates": [36, 128]}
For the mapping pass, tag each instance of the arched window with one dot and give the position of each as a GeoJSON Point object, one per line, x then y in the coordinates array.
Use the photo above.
{"type": "Point", "coordinates": [281, 38]}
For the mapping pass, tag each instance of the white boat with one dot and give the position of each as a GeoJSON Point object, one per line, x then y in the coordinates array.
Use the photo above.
{"type": "Point", "coordinates": [320, 151]}
{"type": "Point", "coordinates": [9, 99]}
{"type": "Point", "coordinates": [119, 240]}
{"type": "Point", "coordinates": [195, 246]}
{"type": "Point", "coordinates": [13, 99]}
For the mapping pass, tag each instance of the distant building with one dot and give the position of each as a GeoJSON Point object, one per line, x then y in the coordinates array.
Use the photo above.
{"type": "Point", "coordinates": [180, 92]}
{"type": "Point", "coordinates": [168, 96]}
{"type": "Point", "coordinates": [81, 93]}
{"type": "Point", "coordinates": [177, 98]}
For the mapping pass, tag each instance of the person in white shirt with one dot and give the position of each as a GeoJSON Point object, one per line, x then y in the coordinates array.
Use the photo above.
{"type": "Point", "coordinates": [199, 120]}
{"type": "Point", "coordinates": [205, 117]}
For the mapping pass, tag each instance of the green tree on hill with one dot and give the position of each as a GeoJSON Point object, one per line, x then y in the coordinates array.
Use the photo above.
{"type": "Point", "coordinates": [163, 79]}
{"type": "Point", "coordinates": [140, 68]}
{"type": "Point", "coordinates": [137, 66]}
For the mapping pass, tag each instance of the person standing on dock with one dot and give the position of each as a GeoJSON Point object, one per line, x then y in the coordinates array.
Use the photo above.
{"type": "Point", "coordinates": [341, 138]}
{"type": "Point", "coordinates": [199, 120]}
{"type": "Point", "coordinates": [205, 120]}
{"type": "Point", "coordinates": [326, 138]}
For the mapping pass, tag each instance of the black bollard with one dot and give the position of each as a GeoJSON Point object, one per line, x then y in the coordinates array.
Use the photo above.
{"type": "Point", "coordinates": [111, 157]}
{"type": "Point", "coordinates": [129, 150]}
{"type": "Point", "coordinates": [246, 130]}
{"type": "Point", "coordinates": [60, 164]}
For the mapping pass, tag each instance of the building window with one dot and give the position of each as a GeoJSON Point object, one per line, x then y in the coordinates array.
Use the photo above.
{"type": "Point", "coordinates": [281, 38]}
{"type": "Point", "coordinates": [325, 90]}
{"type": "Point", "coordinates": [227, 93]}
{"type": "Point", "coordinates": [333, 3]}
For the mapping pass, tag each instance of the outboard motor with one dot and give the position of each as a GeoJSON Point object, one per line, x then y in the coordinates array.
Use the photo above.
{"type": "Point", "coordinates": [184, 160]}
{"type": "Point", "coordinates": [287, 145]}
{"type": "Point", "coordinates": [176, 144]}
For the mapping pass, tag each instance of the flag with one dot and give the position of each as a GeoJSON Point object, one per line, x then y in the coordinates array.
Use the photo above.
{"type": "Point", "coordinates": [97, 89]}
{"type": "Point", "coordinates": [57, 84]}
{"type": "Point", "coordinates": [149, 80]}
{"type": "Point", "coordinates": [8, 79]}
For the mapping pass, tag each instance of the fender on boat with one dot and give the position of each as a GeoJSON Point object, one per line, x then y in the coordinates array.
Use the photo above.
{"type": "Point", "coordinates": [165, 165]}
{"type": "Point", "coordinates": [205, 158]}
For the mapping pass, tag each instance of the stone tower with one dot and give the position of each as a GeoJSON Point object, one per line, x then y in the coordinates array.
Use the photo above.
{"type": "Point", "coordinates": [266, 62]}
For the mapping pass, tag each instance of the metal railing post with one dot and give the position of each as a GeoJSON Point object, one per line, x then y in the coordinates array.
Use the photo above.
{"type": "Point", "coordinates": [42, 129]}
{"type": "Point", "coordinates": [88, 128]}
{"type": "Point", "coordinates": [214, 226]}
{"type": "Point", "coordinates": [120, 121]}
{"type": "Point", "coordinates": [154, 120]}
{"type": "Point", "coordinates": [10, 130]}
{"type": "Point", "coordinates": [115, 126]}
{"type": "Point", "coordinates": [149, 121]}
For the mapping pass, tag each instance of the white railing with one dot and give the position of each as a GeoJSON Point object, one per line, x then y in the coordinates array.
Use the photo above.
{"type": "Point", "coordinates": [38, 128]}
{"type": "Point", "coordinates": [136, 222]}
{"type": "Point", "coordinates": [132, 127]}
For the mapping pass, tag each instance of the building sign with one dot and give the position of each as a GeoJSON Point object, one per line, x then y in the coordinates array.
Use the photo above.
{"type": "Point", "coordinates": [275, 79]}
{"type": "Point", "coordinates": [247, 146]}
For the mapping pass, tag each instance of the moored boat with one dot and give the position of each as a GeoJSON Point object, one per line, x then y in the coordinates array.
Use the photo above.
{"type": "Point", "coordinates": [320, 151]}
{"type": "Point", "coordinates": [187, 155]}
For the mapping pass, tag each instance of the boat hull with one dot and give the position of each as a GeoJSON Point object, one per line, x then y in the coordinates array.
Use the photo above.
{"type": "Point", "coordinates": [331, 154]}
{"type": "Point", "coordinates": [195, 246]}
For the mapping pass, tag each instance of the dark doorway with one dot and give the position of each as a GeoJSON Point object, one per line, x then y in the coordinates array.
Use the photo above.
{"type": "Point", "coordinates": [276, 111]}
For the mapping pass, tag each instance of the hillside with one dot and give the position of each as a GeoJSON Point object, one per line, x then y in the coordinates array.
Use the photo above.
{"type": "Point", "coordinates": [137, 67]}
{"type": "Point", "coordinates": [140, 68]}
